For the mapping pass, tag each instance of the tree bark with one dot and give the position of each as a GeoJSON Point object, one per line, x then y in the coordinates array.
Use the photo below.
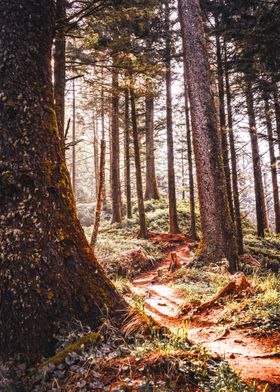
{"type": "Point", "coordinates": [193, 232]}
{"type": "Point", "coordinates": [258, 176]}
{"type": "Point", "coordinates": [115, 146]}
{"type": "Point", "coordinates": [151, 180]}
{"type": "Point", "coordinates": [273, 164]}
{"type": "Point", "coordinates": [96, 153]}
{"type": "Point", "coordinates": [173, 219]}
{"type": "Point", "coordinates": [218, 238]}
{"type": "Point", "coordinates": [48, 272]}
{"type": "Point", "coordinates": [235, 185]}
{"type": "Point", "coordinates": [100, 194]}
{"type": "Point", "coordinates": [59, 66]}
{"type": "Point", "coordinates": [143, 233]}
{"type": "Point", "coordinates": [127, 157]}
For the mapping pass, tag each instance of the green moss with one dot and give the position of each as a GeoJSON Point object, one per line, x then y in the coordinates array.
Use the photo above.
{"type": "Point", "coordinates": [79, 345]}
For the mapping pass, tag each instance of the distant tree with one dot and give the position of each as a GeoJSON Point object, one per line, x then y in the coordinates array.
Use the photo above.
{"type": "Point", "coordinates": [218, 238]}
{"type": "Point", "coordinates": [48, 272]}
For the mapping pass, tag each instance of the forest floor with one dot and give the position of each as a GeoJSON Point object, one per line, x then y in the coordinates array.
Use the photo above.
{"type": "Point", "coordinates": [252, 357]}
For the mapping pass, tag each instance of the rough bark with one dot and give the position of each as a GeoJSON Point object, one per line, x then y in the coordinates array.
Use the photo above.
{"type": "Point", "coordinates": [222, 117]}
{"type": "Point", "coordinates": [151, 180]}
{"type": "Point", "coordinates": [115, 148]}
{"type": "Point", "coordinates": [218, 238]}
{"type": "Point", "coordinates": [103, 132]}
{"type": "Point", "coordinates": [257, 169]}
{"type": "Point", "coordinates": [143, 233]}
{"type": "Point", "coordinates": [273, 164]}
{"type": "Point", "coordinates": [59, 66]}
{"type": "Point", "coordinates": [48, 272]}
{"type": "Point", "coordinates": [127, 157]}
{"type": "Point", "coordinates": [96, 153]}
{"type": "Point", "coordinates": [235, 185]}
{"type": "Point", "coordinates": [192, 233]}
{"type": "Point", "coordinates": [173, 219]}
{"type": "Point", "coordinates": [100, 194]}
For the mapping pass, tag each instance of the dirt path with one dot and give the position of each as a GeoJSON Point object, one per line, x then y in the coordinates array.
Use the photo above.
{"type": "Point", "coordinates": [246, 354]}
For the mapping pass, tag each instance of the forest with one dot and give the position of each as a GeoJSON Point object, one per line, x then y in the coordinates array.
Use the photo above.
{"type": "Point", "coordinates": [139, 195]}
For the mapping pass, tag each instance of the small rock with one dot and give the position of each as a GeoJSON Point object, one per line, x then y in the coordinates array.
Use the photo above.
{"type": "Point", "coordinates": [232, 355]}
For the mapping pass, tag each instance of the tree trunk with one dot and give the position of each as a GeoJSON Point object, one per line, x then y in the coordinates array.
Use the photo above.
{"type": "Point", "coordinates": [103, 133]}
{"type": "Point", "coordinates": [193, 233]}
{"type": "Point", "coordinates": [222, 116]}
{"type": "Point", "coordinates": [277, 113]}
{"type": "Point", "coordinates": [115, 146]}
{"type": "Point", "coordinates": [151, 180]}
{"type": "Point", "coordinates": [127, 157]}
{"type": "Point", "coordinates": [218, 238]}
{"type": "Point", "coordinates": [273, 164]}
{"type": "Point", "coordinates": [59, 66]}
{"type": "Point", "coordinates": [48, 272]}
{"type": "Point", "coordinates": [235, 185]}
{"type": "Point", "coordinates": [173, 219]}
{"type": "Point", "coordinates": [96, 153]}
{"type": "Point", "coordinates": [74, 138]}
{"type": "Point", "coordinates": [100, 194]}
{"type": "Point", "coordinates": [258, 177]}
{"type": "Point", "coordinates": [140, 198]}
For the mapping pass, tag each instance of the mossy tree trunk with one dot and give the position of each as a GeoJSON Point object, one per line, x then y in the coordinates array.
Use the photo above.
{"type": "Point", "coordinates": [48, 272]}
{"type": "Point", "coordinates": [218, 237]}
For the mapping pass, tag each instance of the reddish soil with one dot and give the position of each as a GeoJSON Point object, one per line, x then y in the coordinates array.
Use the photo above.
{"type": "Point", "coordinates": [249, 356]}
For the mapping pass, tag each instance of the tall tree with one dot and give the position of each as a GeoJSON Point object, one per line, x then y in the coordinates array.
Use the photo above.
{"type": "Point", "coordinates": [257, 168]}
{"type": "Point", "coordinates": [151, 180]}
{"type": "Point", "coordinates": [143, 233]}
{"type": "Point", "coordinates": [48, 272]}
{"type": "Point", "coordinates": [173, 218]}
{"type": "Point", "coordinates": [127, 156]}
{"type": "Point", "coordinates": [193, 232]}
{"type": "Point", "coordinates": [273, 162]}
{"type": "Point", "coordinates": [115, 148]}
{"type": "Point", "coordinates": [235, 185]}
{"type": "Point", "coordinates": [218, 239]}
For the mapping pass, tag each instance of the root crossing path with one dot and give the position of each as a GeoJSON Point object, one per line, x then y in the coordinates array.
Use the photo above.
{"type": "Point", "coordinates": [249, 356]}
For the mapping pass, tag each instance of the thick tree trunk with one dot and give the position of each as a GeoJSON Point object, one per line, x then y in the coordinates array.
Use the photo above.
{"type": "Point", "coordinates": [151, 180]}
{"type": "Point", "coordinates": [235, 185]}
{"type": "Point", "coordinates": [59, 66]}
{"type": "Point", "coordinates": [115, 146]}
{"type": "Point", "coordinates": [222, 116]}
{"type": "Point", "coordinates": [193, 233]}
{"type": "Point", "coordinates": [273, 164]}
{"type": "Point", "coordinates": [173, 219]}
{"type": "Point", "coordinates": [218, 238]}
{"type": "Point", "coordinates": [100, 194]}
{"type": "Point", "coordinates": [258, 177]}
{"type": "Point", "coordinates": [103, 133]}
{"type": "Point", "coordinates": [143, 233]}
{"type": "Point", "coordinates": [48, 272]}
{"type": "Point", "coordinates": [127, 157]}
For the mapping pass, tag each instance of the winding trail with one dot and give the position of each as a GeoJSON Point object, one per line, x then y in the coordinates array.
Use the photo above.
{"type": "Point", "coordinates": [249, 356]}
